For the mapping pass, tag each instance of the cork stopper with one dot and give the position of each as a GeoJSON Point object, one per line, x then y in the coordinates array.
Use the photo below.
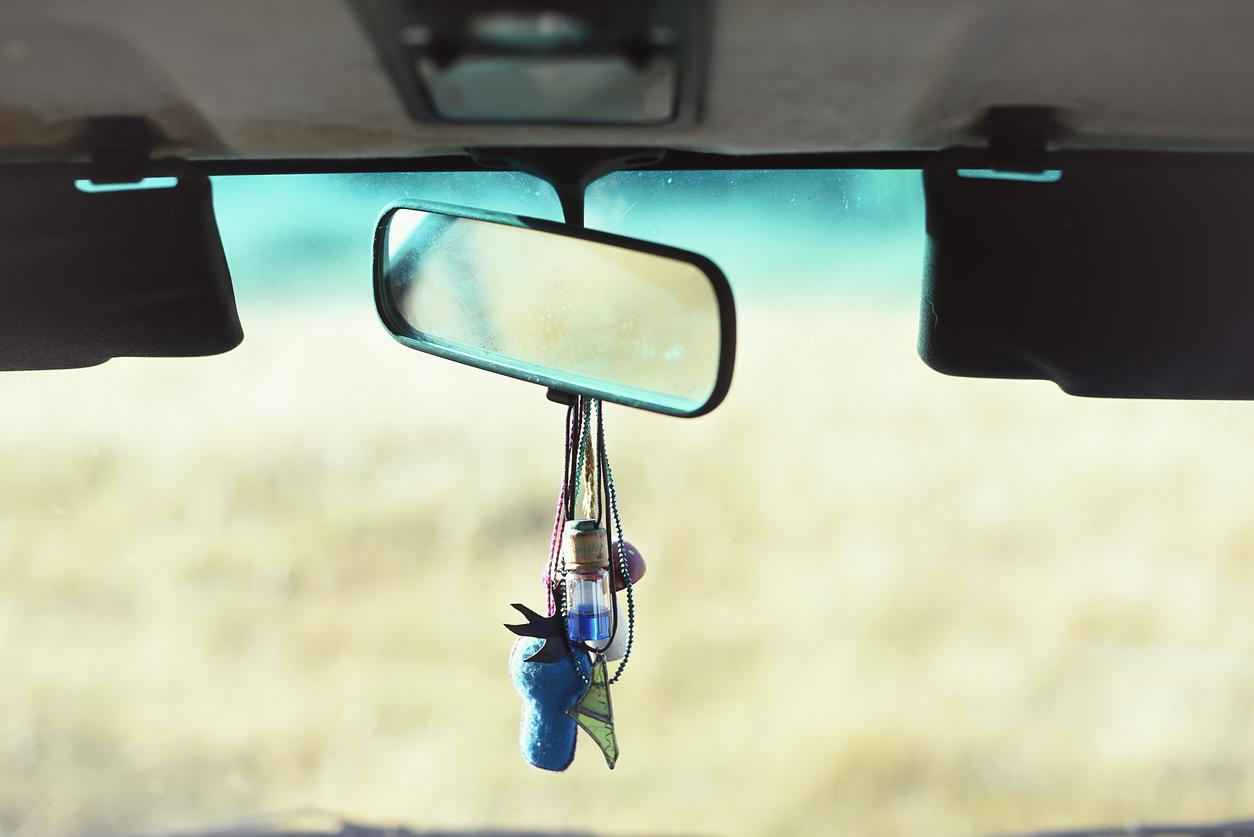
{"type": "Point", "coordinates": [586, 544]}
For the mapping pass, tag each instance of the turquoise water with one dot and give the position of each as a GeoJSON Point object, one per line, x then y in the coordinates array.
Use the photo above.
{"type": "Point", "coordinates": [779, 233]}
{"type": "Point", "coordinates": [774, 233]}
{"type": "Point", "coordinates": [301, 236]}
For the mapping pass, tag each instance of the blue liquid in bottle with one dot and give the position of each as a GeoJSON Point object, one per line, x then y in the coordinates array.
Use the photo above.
{"type": "Point", "coordinates": [588, 597]}
{"type": "Point", "coordinates": [584, 624]}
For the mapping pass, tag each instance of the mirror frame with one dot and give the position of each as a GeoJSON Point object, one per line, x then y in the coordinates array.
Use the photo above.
{"type": "Point", "coordinates": [396, 326]}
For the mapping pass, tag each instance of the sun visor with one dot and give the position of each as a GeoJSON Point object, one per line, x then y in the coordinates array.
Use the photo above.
{"type": "Point", "coordinates": [1111, 274]}
{"type": "Point", "coordinates": [91, 271]}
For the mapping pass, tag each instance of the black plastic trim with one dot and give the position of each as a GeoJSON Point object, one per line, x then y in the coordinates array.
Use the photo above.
{"type": "Point", "coordinates": [672, 160]}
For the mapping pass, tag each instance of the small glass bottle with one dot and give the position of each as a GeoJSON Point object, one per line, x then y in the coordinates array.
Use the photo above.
{"type": "Point", "coordinates": [588, 603]}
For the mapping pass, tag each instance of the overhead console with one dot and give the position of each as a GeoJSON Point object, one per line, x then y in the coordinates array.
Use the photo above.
{"type": "Point", "coordinates": [557, 62]}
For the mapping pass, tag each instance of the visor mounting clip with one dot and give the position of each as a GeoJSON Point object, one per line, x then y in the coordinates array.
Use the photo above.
{"type": "Point", "coordinates": [121, 148]}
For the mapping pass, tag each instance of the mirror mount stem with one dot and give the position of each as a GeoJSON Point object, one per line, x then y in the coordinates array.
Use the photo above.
{"type": "Point", "coordinates": [568, 170]}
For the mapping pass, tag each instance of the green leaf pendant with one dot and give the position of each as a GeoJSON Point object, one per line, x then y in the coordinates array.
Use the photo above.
{"type": "Point", "coordinates": [595, 713]}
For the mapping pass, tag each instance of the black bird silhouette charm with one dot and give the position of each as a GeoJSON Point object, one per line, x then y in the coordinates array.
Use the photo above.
{"type": "Point", "coordinates": [549, 628]}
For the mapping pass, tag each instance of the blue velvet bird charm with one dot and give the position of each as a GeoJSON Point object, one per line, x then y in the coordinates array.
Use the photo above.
{"type": "Point", "coordinates": [549, 691]}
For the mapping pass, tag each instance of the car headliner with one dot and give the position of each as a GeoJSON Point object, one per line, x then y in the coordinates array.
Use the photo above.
{"type": "Point", "coordinates": [299, 79]}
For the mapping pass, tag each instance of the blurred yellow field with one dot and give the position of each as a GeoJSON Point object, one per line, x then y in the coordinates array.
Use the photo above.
{"type": "Point", "coordinates": [879, 600]}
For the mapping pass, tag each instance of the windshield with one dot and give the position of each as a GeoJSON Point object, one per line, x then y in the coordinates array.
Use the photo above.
{"type": "Point", "coordinates": [879, 600]}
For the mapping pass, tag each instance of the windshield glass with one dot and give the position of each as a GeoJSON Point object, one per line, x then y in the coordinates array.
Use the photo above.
{"type": "Point", "coordinates": [879, 600]}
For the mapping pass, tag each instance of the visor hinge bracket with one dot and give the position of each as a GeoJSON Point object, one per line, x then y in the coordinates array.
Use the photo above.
{"type": "Point", "coordinates": [1019, 135]}
{"type": "Point", "coordinates": [120, 146]}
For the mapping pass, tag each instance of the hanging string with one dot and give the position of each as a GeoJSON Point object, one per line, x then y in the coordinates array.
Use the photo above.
{"type": "Point", "coordinates": [587, 485]}
{"type": "Point", "coordinates": [574, 443]}
{"type": "Point", "coordinates": [588, 507]}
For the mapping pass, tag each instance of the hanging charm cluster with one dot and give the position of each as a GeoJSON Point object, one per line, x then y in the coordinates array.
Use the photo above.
{"type": "Point", "coordinates": [584, 619]}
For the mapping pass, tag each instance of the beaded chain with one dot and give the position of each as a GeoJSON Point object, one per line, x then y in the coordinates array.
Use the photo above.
{"type": "Point", "coordinates": [624, 570]}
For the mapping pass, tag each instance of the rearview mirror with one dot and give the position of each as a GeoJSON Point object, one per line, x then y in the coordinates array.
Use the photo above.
{"type": "Point", "coordinates": [575, 310]}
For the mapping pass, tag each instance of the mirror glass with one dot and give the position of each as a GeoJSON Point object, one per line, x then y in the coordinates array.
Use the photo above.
{"type": "Point", "coordinates": [619, 319]}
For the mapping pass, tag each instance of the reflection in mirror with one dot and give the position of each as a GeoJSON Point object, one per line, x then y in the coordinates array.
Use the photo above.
{"type": "Point", "coordinates": [647, 327]}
